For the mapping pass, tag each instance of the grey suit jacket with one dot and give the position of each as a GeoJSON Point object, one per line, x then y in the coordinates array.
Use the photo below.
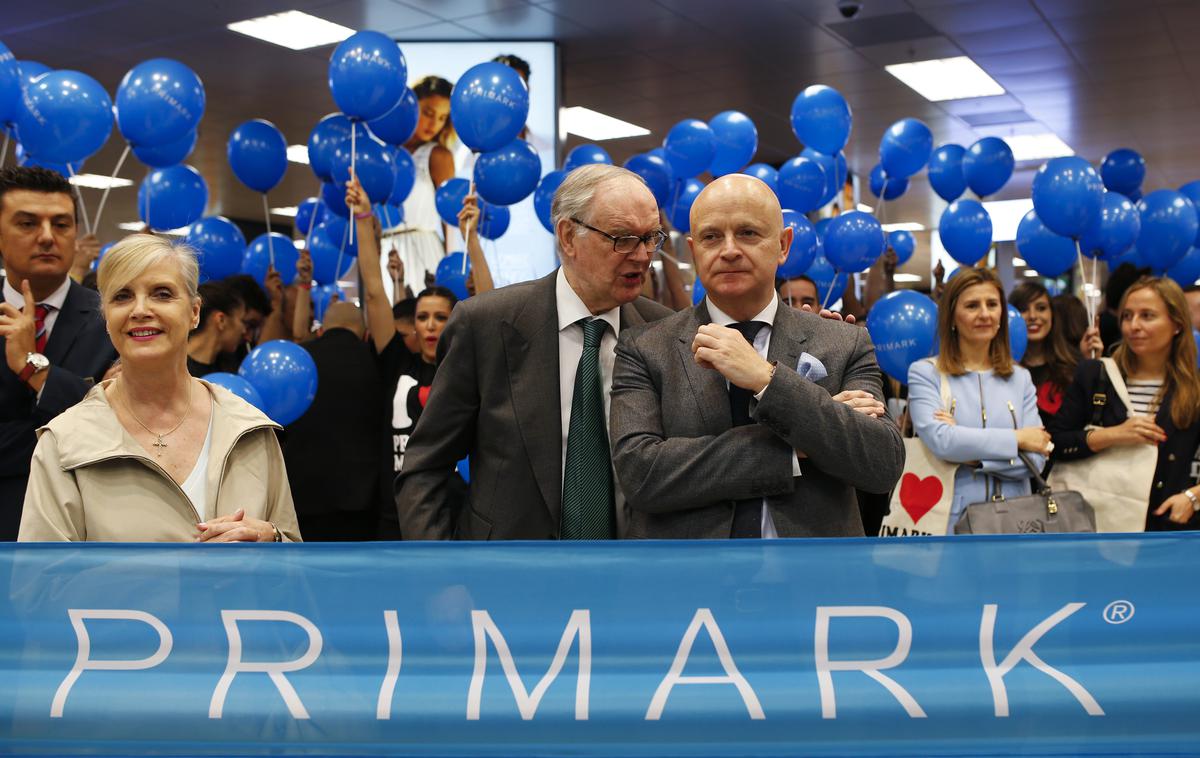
{"type": "Point", "coordinates": [682, 464]}
{"type": "Point", "coordinates": [495, 398]}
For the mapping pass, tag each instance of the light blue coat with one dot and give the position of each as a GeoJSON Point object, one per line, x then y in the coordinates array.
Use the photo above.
{"type": "Point", "coordinates": [993, 445]}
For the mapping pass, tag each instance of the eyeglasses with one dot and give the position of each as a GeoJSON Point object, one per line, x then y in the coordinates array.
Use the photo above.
{"type": "Point", "coordinates": [625, 245]}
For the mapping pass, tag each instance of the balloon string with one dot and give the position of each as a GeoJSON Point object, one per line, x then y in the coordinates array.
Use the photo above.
{"type": "Point", "coordinates": [466, 245]}
{"type": "Point", "coordinates": [825, 302]}
{"type": "Point", "coordinates": [337, 268]}
{"type": "Point", "coordinates": [104, 197]}
{"type": "Point", "coordinates": [312, 222]}
{"type": "Point", "coordinates": [353, 173]}
{"type": "Point", "coordinates": [270, 241]}
{"type": "Point", "coordinates": [87, 225]}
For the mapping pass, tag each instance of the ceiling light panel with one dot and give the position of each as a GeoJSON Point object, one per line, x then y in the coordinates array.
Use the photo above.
{"type": "Point", "coordinates": [946, 79]}
{"type": "Point", "coordinates": [1037, 147]}
{"type": "Point", "coordinates": [298, 154]}
{"type": "Point", "coordinates": [597, 126]}
{"type": "Point", "coordinates": [292, 29]}
{"type": "Point", "coordinates": [95, 181]}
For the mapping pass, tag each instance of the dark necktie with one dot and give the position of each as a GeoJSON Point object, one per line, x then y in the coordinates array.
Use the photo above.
{"type": "Point", "coordinates": [587, 503]}
{"type": "Point", "coordinates": [40, 312]}
{"type": "Point", "coordinates": [747, 514]}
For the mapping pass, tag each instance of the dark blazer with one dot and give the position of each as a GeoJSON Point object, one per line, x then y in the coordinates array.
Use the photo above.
{"type": "Point", "coordinates": [79, 352]}
{"type": "Point", "coordinates": [1177, 466]}
{"type": "Point", "coordinates": [495, 398]}
{"type": "Point", "coordinates": [336, 453]}
{"type": "Point", "coordinates": [682, 464]}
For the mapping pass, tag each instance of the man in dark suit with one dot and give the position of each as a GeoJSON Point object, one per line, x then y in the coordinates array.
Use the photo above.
{"type": "Point", "coordinates": [523, 379]}
{"type": "Point", "coordinates": [742, 417]}
{"type": "Point", "coordinates": [51, 329]}
{"type": "Point", "coordinates": [337, 452]}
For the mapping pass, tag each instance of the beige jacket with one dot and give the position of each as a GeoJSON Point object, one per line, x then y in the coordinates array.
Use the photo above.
{"type": "Point", "coordinates": [91, 481]}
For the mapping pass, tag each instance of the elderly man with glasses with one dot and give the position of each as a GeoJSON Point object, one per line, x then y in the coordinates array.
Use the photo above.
{"type": "Point", "coordinates": [524, 378]}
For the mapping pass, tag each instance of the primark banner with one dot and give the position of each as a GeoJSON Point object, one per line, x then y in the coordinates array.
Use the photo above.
{"type": "Point", "coordinates": [1040, 645]}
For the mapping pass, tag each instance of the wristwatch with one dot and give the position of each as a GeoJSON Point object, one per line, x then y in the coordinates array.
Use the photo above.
{"type": "Point", "coordinates": [1193, 499]}
{"type": "Point", "coordinates": [34, 362]}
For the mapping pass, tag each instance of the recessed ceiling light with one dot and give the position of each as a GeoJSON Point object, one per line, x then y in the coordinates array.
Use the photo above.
{"type": "Point", "coordinates": [138, 226]}
{"type": "Point", "coordinates": [299, 244]}
{"type": "Point", "coordinates": [292, 29]}
{"type": "Point", "coordinates": [289, 211]}
{"type": "Point", "coordinates": [904, 226]}
{"type": "Point", "coordinates": [1006, 217]}
{"type": "Point", "coordinates": [1019, 261]}
{"type": "Point", "coordinates": [1031, 272]}
{"type": "Point", "coordinates": [907, 277]}
{"type": "Point", "coordinates": [131, 226]}
{"type": "Point", "coordinates": [946, 78]}
{"type": "Point", "coordinates": [865, 208]}
{"type": "Point", "coordinates": [95, 181]}
{"type": "Point", "coordinates": [1037, 147]}
{"type": "Point", "coordinates": [298, 154]}
{"type": "Point", "coordinates": [594, 125]}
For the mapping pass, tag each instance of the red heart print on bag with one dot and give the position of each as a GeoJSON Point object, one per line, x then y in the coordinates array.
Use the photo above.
{"type": "Point", "coordinates": [918, 496]}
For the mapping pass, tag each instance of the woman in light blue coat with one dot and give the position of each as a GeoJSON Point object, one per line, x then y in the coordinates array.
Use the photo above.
{"type": "Point", "coordinates": [992, 411]}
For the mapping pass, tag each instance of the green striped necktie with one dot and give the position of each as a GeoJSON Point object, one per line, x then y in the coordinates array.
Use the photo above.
{"type": "Point", "coordinates": [587, 501]}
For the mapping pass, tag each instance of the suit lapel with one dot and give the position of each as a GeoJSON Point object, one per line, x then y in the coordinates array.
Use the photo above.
{"type": "Point", "coordinates": [787, 337]}
{"type": "Point", "coordinates": [531, 352]}
{"type": "Point", "coordinates": [709, 388]}
{"type": "Point", "coordinates": [70, 321]}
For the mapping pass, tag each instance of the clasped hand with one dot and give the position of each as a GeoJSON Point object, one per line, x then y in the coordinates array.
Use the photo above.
{"type": "Point", "coordinates": [726, 351]}
{"type": "Point", "coordinates": [235, 528]}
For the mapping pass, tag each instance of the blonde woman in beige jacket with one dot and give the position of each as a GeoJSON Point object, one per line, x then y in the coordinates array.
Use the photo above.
{"type": "Point", "coordinates": [154, 455]}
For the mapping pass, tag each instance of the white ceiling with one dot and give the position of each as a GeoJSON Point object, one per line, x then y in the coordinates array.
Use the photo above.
{"type": "Point", "coordinates": [1101, 74]}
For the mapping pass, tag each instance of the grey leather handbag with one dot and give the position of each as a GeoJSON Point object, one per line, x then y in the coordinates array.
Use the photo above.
{"type": "Point", "coordinates": [1043, 512]}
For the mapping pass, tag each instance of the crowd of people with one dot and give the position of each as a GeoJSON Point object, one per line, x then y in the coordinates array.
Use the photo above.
{"type": "Point", "coordinates": [593, 403]}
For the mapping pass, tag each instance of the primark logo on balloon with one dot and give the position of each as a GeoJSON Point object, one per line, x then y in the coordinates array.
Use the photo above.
{"type": "Point", "coordinates": [170, 100]}
{"type": "Point", "coordinates": [903, 344]}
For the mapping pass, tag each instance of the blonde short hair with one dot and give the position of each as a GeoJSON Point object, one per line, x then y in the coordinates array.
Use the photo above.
{"type": "Point", "coordinates": [130, 257]}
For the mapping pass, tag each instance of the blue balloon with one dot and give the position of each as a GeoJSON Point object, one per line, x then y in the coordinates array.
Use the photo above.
{"type": "Point", "coordinates": [285, 376]}
{"type": "Point", "coordinates": [170, 198]}
{"type": "Point", "coordinates": [830, 283]}
{"type": "Point", "coordinates": [1186, 270]}
{"type": "Point", "coordinates": [508, 175]}
{"type": "Point", "coordinates": [339, 231]}
{"type": "Point", "coordinates": [1114, 231]}
{"type": "Point", "coordinates": [397, 125]}
{"type": "Point", "coordinates": [451, 274]}
{"type": "Point", "coordinates": [1067, 195]}
{"type": "Point", "coordinates": [1044, 251]}
{"type": "Point", "coordinates": [322, 296]}
{"type": "Point", "coordinates": [10, 86]}
{"type": "Point", "coordinates": [764, 173]}
{"type": "Point", "coordinates": [374, 165]}
{"type": "Point", "coordinates": [853, 241]}
{"type": "Point", "coordinates": [736, 142]}
{"type": "Point", "coordinates": [821, 119]}
{"type": "Point", "coordinates": [988, 165]}
{"type": "Point", "coordinates": [802, 184]}
{"type": "Point", "coordinates": [946, 172]}
{"type": "Point", "coordinates": [903, 243]}
{"type": "Point", "coordinates": [1130, 256]}
{"type": "Point", "coordinates": [238, 386]}
{"type": "Point", "coordinates": [67, 117]}
{"type": "Point", "coordinates": [333, 198]}
{"type": "Point", "coordinates": [257, 154]}
{"type": "Point", "coordinates": [884, 186]}
{"type": "Point", "coordinates": [325, 137]}
{"type": "Point", "coordinates": [698, 291]}
{"type": "Point", "coordinates": [307, 212]}
{"type": "Point", "coordinates": [488, 106]}
{"type": "Point", "coordinates": [170, 154]}
{"type": "Point", "coordinates": [683, 195]}
{"type": "Point", "coordinates": [390, 216]}
{"type": "Point", "coordinates": [835, 172]}
{"type": "Point", "coordinates": [103, 252]}
{"type": "Point", "coordinates": [966, 231]}
{"type": "Point", "coordinates": [1018, 334]}
{"type": "Point", "coordinates": [584, 155]}
{"type": "Point", "coordinates": [543, 197]}
{"type": "Point", "coordinates": [690, 147]}
{"type": "Point", "coordinates": [220, 244]}
{"type": "Point", "coordinates": [257, 258]}
{"type": "Point", "coordinates": [903, 327]}
{"type": "Point", "coordinates": [367, 75]}
{"type": "Point", "coordinates": [406, 176]}
{"type": "Point", "coordinates": [1191, 191]}
{"type": "Point", "coordinates": [905, 148]}
{"type": "Point", "coordinates": [25, 159]}
{"type": "Point", "coordinates": [804, 246]}
{"type": "Point", "coordinates": [493, 220]}
{"type": "Point", "coordinates": [656, 173]}
{"type": "Point", "coordinates": [158, 102]}
{"type": "Point", "coordinates": [1169, 228]}
{"type": "Point", "coordinates": [1123, 170]}
{"type": "Point", "coordinates": [328, 249]}
{"type": "Point", "coordinates": [448, 199]}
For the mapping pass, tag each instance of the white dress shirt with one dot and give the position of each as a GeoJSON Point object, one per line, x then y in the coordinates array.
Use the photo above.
{"type": "Point", "coordinates": [762, 343]}
{"type": "Point", "coordinates": [570, 348]}
{"type": "Point", "coordinates": [59, 296]}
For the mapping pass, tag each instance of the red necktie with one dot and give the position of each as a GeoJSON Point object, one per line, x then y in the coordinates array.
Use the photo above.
{"type": "Point", "coordinates": [40, 312]}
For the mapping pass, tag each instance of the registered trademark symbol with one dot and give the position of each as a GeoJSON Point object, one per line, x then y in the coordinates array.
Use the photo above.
{"type": "Point", "coordinates": [1118, 611]}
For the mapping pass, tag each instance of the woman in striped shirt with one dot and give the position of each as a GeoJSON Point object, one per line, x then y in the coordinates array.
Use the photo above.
{"type": "Point", "coordinates": [1157, 360]}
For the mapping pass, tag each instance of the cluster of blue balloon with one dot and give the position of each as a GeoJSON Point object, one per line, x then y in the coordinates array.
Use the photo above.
{"type": "Point", "coordinates": [277, 377]}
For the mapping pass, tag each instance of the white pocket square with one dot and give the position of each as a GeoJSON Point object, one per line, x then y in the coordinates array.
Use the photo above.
{"type": "Point", "coordinates": [811, 368]}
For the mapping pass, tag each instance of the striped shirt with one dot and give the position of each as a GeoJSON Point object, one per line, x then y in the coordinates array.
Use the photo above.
{"type": "Point", "coordinates": [1143, 394]}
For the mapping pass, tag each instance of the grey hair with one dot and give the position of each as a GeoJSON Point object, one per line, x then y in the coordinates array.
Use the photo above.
{"type": "Point", "coordinates": [130, 257]}
{"type": "Point", "coordinates": [574, 196]}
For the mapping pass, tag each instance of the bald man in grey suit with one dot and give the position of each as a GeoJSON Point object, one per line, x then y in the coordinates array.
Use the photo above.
{"type": "Point", "coordinates": [742, 417]}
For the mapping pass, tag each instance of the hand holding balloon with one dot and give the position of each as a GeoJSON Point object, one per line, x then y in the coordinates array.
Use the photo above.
{"type": "Point", "coordinates": [356, 197]}
{"type": "Point", "coordinates": [468, 218]}
{"type": "Point", "coordinates": [304, 269]}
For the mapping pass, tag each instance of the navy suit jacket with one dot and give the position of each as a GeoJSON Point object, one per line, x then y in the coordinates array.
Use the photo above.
{"type": "Point", "coordinates": [79, 352]}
